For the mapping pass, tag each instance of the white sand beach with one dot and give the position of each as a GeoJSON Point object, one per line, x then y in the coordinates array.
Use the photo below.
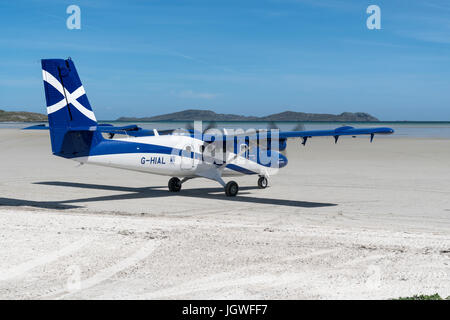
{"type": "Point", "coordinates": [352, 220]}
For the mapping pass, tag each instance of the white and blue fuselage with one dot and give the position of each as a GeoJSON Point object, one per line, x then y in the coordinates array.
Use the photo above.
{"type": "Point", "coordinates": [175, 155]}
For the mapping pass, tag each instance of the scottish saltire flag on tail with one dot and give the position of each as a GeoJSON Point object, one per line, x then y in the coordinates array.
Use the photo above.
{"type": "Point", "coordinates": [68, 107]}
{"type": "Point", "coordinates": [65, 95]}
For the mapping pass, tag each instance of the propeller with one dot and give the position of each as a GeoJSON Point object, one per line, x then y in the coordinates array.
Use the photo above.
{"type": "Point", "coordinates": [211, 125]}
{"type": "Point", "coordinates": [298, 127]}
{"type": "Point", "coordinates": [189, 126]}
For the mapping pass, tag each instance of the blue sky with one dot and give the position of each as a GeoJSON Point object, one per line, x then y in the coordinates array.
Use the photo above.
{"type": "Point", "coordinates": [143, 58]}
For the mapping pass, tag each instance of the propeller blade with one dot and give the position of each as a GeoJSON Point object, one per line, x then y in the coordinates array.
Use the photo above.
{"type": "Point", "coordinates": [189, 127]}
{"type": "Point", "coordinates": [211, 125]}
{"type": "Point", "coordinates": [299, 127]}
{"type": "Point", "coordinates": [272, 125]}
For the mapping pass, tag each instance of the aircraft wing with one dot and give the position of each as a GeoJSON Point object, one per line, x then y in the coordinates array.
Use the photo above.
{"type": "Point", "coordinates": [104, 127]}
{"type": "Point", "coordinates": [136, 131]}
{"type": "Point", "coordinates": [37, 127]}
{"type": "Point", "coordinates": [284, 135]}
{"type": "Point", "coordinates": [336, 133]}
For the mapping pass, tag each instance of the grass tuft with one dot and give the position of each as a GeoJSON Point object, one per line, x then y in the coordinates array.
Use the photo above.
{"type": "Point", "coordinates": [435, 296]}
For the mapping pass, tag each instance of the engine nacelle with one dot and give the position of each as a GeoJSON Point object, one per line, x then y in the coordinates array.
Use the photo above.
{"type": "Point", "coordinates": [282, 144]}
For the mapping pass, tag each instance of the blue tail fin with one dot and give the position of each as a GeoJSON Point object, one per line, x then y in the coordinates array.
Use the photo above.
{"type": "Point", "coordinates": [71, 119]}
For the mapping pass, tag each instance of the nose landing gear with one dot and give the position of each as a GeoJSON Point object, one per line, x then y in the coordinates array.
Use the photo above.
{"type": "Point", "coordinates": [262, 182]}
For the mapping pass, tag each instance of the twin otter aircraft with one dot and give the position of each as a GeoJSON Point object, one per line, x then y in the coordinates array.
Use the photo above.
{"type": "Point", "coordinates": [186, 154]}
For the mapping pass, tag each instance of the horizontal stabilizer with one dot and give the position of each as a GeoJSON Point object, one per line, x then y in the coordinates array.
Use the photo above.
{"type": "Point", "coordinates": [37, 127]}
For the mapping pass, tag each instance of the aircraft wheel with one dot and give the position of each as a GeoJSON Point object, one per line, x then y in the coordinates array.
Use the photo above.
{"type": "Point", "coordinates": [174, 185]}
{"type": "Point", "coordinates": [262, 182]}
{"type": "Point", "coordinates": [231, 189]}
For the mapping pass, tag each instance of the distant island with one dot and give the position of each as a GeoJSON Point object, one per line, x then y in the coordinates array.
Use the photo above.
{"type": "Point", "coordinates": [21, 116]}
{"type": "Point", "coordinates": [208, 115]}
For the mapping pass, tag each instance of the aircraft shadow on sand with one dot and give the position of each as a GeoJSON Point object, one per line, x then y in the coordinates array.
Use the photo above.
{"type": "Point", "coordinates": [130, 193]}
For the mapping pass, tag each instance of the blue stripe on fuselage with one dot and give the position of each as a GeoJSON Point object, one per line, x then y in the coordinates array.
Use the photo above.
{"type": "Point", "coordinates": [239, 169]}
{"type": "Point", "coordinates": [110, 147]}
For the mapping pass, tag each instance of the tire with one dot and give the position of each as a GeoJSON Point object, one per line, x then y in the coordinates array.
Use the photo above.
{"type": "Point", "coordinates": [262, 182]}
{"type": "Point", "coordinates": [231, 189]}
{"type": "Point", "coordinates": [174, 185]}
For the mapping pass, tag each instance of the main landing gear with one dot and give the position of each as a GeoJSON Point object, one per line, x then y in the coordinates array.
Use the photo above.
{"type": "Point", "coordinates": [262, 182]}
{"type": "Point", "coordinates": [231, 188]}
{"type": "Point", "coordinates": [174, 185]}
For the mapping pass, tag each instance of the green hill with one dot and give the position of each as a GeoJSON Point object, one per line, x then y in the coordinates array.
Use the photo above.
{"type": "Point", "coordinates": [21, 116]}
{"type": "Point", "coordinates": [208, 115]}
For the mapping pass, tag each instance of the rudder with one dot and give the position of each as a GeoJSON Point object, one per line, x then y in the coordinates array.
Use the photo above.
{"type": "Point", "coordinates": [69, 112]}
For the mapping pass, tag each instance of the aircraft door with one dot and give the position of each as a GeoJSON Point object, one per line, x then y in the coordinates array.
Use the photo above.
{"type": "Point", "coordinates": [187, 159]}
